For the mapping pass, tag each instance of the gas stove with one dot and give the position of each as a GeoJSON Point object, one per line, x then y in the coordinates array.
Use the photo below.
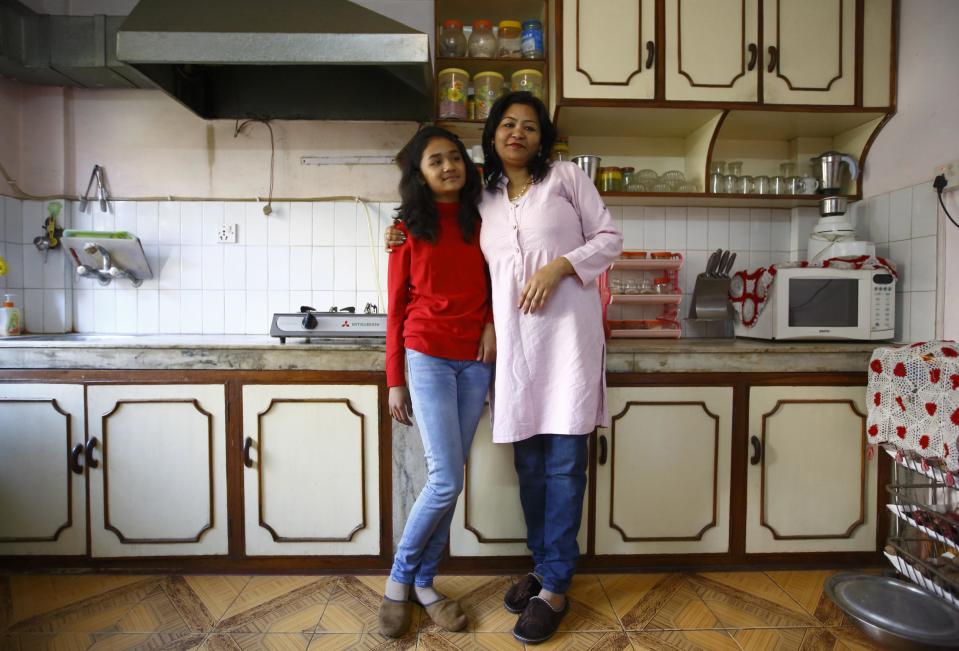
{"type": "Point", "coordinates": [314, 324]}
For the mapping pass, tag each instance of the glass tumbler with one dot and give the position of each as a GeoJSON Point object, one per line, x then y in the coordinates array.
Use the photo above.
{"type": "Point", "coordinates": [717, 183]}
{"type": "Point", "coordinates": [744, 185]}
{"type": "Point", "coordinates": [734, 167]}
{"type": "Point", "coordinates": [717, 167]}
{"type": "Point", "coordinates": [729, 183]}
{"type": "Point", "coordinates": [761, 185]}
{"type": "Point", "coordinates": [777, 185]}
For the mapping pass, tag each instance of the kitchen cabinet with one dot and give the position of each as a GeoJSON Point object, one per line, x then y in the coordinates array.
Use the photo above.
{"type": "Point", "coordinates": [157, 469]}
{"type": "Point", "coordinates": [663, 471]}
{"type": "Point", "coordinates": [609, 49]}
{"type": "Point", "coordinates": [810, 487]}
{"type": "Point", "coordinates": [42, 488]}
{"type": "Point", "coordinates": [488, 520]}
{"type": "Point", "coordinates": [311, 469]}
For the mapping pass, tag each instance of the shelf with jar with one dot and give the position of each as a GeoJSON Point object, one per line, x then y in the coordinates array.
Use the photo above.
{"type": "Point", "coordinates": [662, 156]}
{"type": "Point", "coordinates": [647, 282]}
{"type": "Point", "coordinates": [482, 52]}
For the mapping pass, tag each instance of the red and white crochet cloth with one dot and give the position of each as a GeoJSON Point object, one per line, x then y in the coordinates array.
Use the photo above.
{"type": "Point", "coordinates": [748, 290]}
{"type": "Point", "coordinates": [913, 398]}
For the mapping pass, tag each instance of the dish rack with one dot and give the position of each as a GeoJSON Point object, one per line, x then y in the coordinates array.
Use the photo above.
{"type": "Point", "coordinates": [924, 546]}
{"type": "Point", "coordinates": [633, 306]}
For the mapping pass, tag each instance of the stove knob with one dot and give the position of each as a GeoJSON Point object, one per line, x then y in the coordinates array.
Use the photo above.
{"type": "Point", "coordinates": [309, 321]}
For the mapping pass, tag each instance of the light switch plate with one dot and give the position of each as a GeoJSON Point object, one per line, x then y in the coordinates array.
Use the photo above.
{"type": "Point", "coordinates": [951, 171]}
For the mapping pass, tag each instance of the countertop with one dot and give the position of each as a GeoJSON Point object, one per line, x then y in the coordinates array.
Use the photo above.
{"type": "Point", "coordinates": [260, 352]}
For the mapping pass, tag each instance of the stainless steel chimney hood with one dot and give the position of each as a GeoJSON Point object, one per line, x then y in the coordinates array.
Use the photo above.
{"type": "Point", "coordinates": [285, 59]}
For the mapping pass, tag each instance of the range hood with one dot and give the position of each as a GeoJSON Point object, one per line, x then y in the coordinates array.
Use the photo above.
{"type": "Point", "coordinates": [285, 59]}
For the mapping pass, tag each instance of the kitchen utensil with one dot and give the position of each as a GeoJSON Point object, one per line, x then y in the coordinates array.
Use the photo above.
{"type": "Point", "coordinates": [831, 206]}
{"type": "Point", "coordinates": [712, 262]}
{"type": "Point", "coordinates": [729, 264]}
{"type": "Point", "coordinates": [810, 185]}
{"type": "Point", "coordinates": [893, 613]}
{"type": "Point", "coordinates": [829, 168]}
{"type": "Point", "coordinates": [589, 164]}
{"type": "Point", "coordinates": [723, 259]}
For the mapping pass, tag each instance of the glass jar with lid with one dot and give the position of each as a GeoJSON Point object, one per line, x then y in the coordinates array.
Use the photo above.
{"type": "Point", "coordinates": [508, 39]}
{"type": "Point", "coordinates": [528, 80]}
{"type": "Point", "coordinates": [610, 179]}
{"type": "Point", "coordinates": [532, 40]}
{"type": "Point", "coordinates": [482, 43]}
{"type": "Point", "coordinates": [452, 39]}
{"type": "Point", "coordinates": [560, 149]}
{"type": "Point", "coordinates": [452, 87]}
{"type": "Point", "coordinates": [487, 88]}
{"type": "Point", "coordinates": [628, 173]}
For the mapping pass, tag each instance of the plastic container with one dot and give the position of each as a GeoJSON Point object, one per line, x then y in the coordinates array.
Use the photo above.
{"type": "Point", "coordinates": [452, 40]}
{"type": "Point", "coordinates": [610, 179]}
{"type": "Point", "coordinates": [452, 87]}
{"type": "Point", "coordinates": [531, 46]}
{"type": "Point", "coordinates": [508, 39]}
{"type": "Point", "coordinates": [528, 80]}
{"type": "Point", "coordinates": [9, 317]}
{"type": "Point", "coordinates": [482, 43]}
{"type": "Point", "coordinates": [487, 88]}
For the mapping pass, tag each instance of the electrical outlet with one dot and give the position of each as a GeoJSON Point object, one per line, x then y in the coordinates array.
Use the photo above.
{"type": "Point", "coordinates": [951, 172]}
{"type": "Point", "coordinates": [226, 234]}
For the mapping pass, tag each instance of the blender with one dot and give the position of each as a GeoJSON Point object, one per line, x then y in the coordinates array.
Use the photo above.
{"type": "Point", "coordinates": [833, 236]}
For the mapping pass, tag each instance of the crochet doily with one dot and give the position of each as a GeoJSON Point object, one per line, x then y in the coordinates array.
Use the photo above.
{"type": "Point", "coordinates": [913, 398]}
{"type": "Point", "coordinates": [748, 290]}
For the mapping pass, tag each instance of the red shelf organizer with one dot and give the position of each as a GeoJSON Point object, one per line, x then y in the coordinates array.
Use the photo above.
{"type": "Point", "coordinates": [666, 324]}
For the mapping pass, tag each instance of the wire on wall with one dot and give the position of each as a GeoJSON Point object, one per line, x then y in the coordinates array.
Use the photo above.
{"type": "Point", "coordinates": [939, 184]}
{"type": "Point", "coordinates": [268, 208]}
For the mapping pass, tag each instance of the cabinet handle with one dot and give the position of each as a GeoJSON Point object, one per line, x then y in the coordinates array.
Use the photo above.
{"type": "Point", "coordinates": [91, 446]}
{"type": "Point", "coordinates": [650, 54]}
{"type": "Point", "coordinates": [602, 450]}
{"type": "Point", "coordinates": [753, 54]}
{"type": "Point", "coordinates": [75, 459]}
{"type": "Point", "coordinates": [773, 58]}
{"type": "Point", "coordinates": [247, 461]}
{"type": "Point", "coordinates": [757, 450]}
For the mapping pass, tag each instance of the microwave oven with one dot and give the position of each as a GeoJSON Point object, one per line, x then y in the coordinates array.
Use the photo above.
{"type": "Point", "coordinates": [822, 303]}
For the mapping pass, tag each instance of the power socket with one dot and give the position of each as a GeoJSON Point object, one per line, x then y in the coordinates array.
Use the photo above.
{"type": "Point", "coordinates": [951, 172]}
{"type": "Point", "coordinates": [226, 234]}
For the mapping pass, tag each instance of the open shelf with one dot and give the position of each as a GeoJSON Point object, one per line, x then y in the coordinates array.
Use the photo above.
{"type": "Point", "coordinates": [710, 199]}
{"type": "Point", "coordinates": [645, 299]}
{"type": "Point", "coordinates": [647, 264]}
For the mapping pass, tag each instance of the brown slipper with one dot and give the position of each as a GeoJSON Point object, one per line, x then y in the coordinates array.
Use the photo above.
{"type": "Point", "coordinates": [395, 617]}
{"type": "Point", "coordinates": [446, 612]}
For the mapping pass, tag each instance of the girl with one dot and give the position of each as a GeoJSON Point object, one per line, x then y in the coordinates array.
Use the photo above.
{"type": "Point", "coordinates": [440, 324]}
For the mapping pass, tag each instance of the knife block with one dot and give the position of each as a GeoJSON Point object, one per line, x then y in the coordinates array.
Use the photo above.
{"type": "Point", "coordinates": [710, 300]}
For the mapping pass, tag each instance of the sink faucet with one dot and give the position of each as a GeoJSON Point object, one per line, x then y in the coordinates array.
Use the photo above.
{"type": "Point", "coordinates": [108, 271]}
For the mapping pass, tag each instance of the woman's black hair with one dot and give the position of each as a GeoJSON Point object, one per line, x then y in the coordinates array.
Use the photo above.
{"type": "Point", "coordinates": [539, 165]}
{"type": "Point", "coordinates": [417, 205]}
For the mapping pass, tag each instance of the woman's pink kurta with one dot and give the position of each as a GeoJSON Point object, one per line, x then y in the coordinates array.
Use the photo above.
{"type": "Point", "coordinates": [550, 364]}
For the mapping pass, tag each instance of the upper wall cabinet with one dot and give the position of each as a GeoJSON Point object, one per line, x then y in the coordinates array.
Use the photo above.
{"type": "Point", "coordinates": [712, 50]}
{"type": "Point", "coordinates": [609, 49]}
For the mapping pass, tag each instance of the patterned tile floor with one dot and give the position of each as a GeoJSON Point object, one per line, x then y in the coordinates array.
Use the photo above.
{"type": "Point", "coordinates": [738, 611]}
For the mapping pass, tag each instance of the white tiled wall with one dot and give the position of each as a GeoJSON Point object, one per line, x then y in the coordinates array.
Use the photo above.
{"type": "Point", "coordinates": [319, 254]}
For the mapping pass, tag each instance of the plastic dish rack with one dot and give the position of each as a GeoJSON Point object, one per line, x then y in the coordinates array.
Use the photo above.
{"type": "Point", "coordinates": [631, 310]}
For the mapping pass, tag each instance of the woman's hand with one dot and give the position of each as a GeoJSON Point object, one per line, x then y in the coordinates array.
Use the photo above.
{"type": "Point", "coordinates": [400, 406]}
{"type": "Point", "coordinates": [540, 287]}
{"type": "Point", "coordinates": [487, 345]}
{"type": "Point", "coordinates": [393, 237]}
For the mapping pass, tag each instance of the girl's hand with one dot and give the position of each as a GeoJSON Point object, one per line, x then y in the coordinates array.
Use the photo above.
{"type": "Point", "coordinates": [401, 408]}
{"type": "Point", "coordinates": [540, 287]}
{"type": "Point", "coordinates": [393, 237]}
{"type": "Point", "coordinates": [487, 345]}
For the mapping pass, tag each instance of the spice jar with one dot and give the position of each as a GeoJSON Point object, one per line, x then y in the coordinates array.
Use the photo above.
{"type": "Point", "coordinates": [628, 173]}
{"type": "Point", "coordinates": [452, 39]}
{"type": "Point", "coordinates": [508, 39]}
{"type": "Point", "coordinates": [610, 179]}
{"type": "Point", "coordinates": [487, 88]}
{"type": "Point", "coordinates": [532, 40]}
{"type": "Point", "coordinates": [560, 149]}
{"type": "Point", "coordinates": [482, 43]}
{"type": "Point", "coordinates": [452, 86]}
{"type": "Point", "coordinates": [529, 80]}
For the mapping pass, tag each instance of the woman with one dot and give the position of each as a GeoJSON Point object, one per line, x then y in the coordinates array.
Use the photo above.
{"type": "Point", "coordinates": [439, 324]}
{"type": "Point", "coordinates": [546, 237]}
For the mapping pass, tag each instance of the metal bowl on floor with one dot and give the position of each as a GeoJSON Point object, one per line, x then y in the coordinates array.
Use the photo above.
{"type": "Point", "coordinates": [895, 614]}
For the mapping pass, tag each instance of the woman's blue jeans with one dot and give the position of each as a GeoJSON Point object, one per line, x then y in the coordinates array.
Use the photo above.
{"type": "Point", "coordinates": [448, 398]}
{"type": "Point", "coordinates": [552, 483]}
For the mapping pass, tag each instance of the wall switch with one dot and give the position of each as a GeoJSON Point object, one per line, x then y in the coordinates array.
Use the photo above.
{"type": "Point", "coordinates": [226, 234]}
{"type": "Point", "coordinates": [951, 172]}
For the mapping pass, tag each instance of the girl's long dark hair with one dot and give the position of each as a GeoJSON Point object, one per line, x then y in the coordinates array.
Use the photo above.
{"type": "Point", "coordinates": [417, 205]}
{"type": "Point", "coordinates": [539, 165]}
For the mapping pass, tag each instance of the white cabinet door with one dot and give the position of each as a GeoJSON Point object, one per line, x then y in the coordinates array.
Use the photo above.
{"type": "Point", "coordinates": [609, 49]}
{"type": "Point", "coordinates": [42, 496]}
{"type": "Point", "coordinates": [712, 50]}
{"type": "Point", "coordinates": [664, 486]}
{"type": "Point", "coordinates": [811, 489]}
{"type": "Point", "coordinates": [159, 487]}
{"type": "Point", "coordinates": [311, 481]}
{"type": "Point", "coordinates": [488, 520]}
{"type": "Point", "coordinates": [810, 51]}
{"type": "Point", "coordinates": [877, 60]}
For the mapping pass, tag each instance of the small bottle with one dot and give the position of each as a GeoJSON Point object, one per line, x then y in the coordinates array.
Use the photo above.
{"type": "Point", "coordinates": [9, 317]}
{"type": "Point", "coordinates": [479, 159]}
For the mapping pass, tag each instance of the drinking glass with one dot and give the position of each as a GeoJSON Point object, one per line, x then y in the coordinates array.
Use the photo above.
{"type": "Point", "coordinates": [777, 185]}
{"type": "Point", "coordinates": [761, 185]}
{"type": "Point", "coordinates": [717, 167]}
{"type": "Point", "coordinates": [744, 185]}
{"type": "Point", "coordinates": [730, 182]}
{"type": "Point", "coordinates": [787, 169]}
{"type": "Point", "coordinates": [717, 183]}
{"type": "Point", "coordinates": [734, 167]}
